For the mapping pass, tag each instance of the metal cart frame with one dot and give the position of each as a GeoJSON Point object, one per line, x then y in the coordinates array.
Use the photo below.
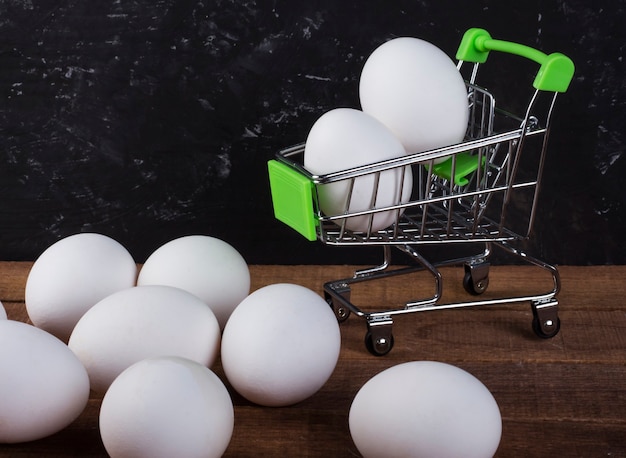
{"type": "Point", "coordinates": [463, 199]}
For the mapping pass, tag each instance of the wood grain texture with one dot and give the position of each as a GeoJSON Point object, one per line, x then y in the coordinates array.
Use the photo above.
{"type": "Point", "coordinates": [563, 396]}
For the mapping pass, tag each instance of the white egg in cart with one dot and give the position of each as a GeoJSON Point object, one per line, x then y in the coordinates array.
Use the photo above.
{"type": "Point", "coordinates": [425, 408]}
{"type": "Point", "coordinates": [415, 89]}
{"type": "Point", "coordinates": [344, 138]}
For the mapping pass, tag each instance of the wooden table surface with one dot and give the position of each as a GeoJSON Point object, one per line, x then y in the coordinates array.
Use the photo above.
{"type": "Point", "coordinates": [560, 397]}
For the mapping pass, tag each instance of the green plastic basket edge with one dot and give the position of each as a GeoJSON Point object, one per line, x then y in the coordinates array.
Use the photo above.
{"type": "Point", "coordinates": [466, 164]}
{"type": "Point", "coordinates": [292, 199]}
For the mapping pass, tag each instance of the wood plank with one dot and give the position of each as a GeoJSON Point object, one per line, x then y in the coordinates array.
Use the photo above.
{"type": "Point", "coordinates": [563, 396]}
{"type": "Point", "coordinates": [13, 277]}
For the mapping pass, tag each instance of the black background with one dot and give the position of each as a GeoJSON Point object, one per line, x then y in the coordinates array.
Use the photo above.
{"type": "Point", "coordinates": [148, 120]}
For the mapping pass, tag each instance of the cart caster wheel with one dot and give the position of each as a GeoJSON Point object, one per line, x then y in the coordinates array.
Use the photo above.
{"type": "Point", "coordinates": [472, 286]}
{"type": "Point", "coordinates": [546, 322]}
{"type": "Point", "coordinates": [378, 346]}
{"type": "Point", "coordinates": [548, 330]}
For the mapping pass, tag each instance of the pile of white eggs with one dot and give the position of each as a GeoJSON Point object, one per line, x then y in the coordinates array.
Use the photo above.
{"type": "Point", "coordinates": [413, 99]}
{"type": "Point", "coordinates": [147, 341]}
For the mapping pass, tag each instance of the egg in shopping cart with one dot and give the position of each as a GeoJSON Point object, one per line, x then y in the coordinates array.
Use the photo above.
{"type": "Point", "coordinates": [416, 90]}
{"type": "Point", "coordinates": [344, 138]}
{"type": "Point", "coordinates": [425, 408]}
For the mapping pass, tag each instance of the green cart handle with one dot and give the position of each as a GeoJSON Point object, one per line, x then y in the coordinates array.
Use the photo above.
{"type": "Point", "coordinates": [556, 71]}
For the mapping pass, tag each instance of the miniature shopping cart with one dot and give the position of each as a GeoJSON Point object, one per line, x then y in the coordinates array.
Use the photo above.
{"type": "Point", "coordinates": [468, 198]}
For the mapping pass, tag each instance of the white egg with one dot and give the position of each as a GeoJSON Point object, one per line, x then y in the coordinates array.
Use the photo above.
{"type": "Point", "coordinates": [139, 323]}
{"type": "Point", "coordinates": [425, 408]}
{"type": "Point", "coordinates": [72, 275]}
{"type": "Point", "coordinates": [344, 138]}
{"type": "Point", "coordinates": [3, 312]}
{"type": "Point", "coordinates": [43, 386]}
{"type": "Point", "coordinates": [415, 89]}
{"type": "Point", "coordinates": [166, 407]}
{"type": "Point", "coordinates": [281, 345]}
{"type": "Point", "coordinates": [205, 266]}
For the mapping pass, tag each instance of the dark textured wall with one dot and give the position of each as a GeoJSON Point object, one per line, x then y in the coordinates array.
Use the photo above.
{"type": "Point", "coordinates": [148, 120]}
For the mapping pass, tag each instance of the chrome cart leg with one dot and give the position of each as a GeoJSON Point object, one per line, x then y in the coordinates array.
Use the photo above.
{"type": "Point", "coordinates": [546, 322]}
{"type": "Point", "coordinates": [381, 268]}
{"type": "Point", "coordinates": [340, 290]}
{"type": "Point", "coordinates": [379, 338]}
{"type": "Point", "coordinates": [430, 268]}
